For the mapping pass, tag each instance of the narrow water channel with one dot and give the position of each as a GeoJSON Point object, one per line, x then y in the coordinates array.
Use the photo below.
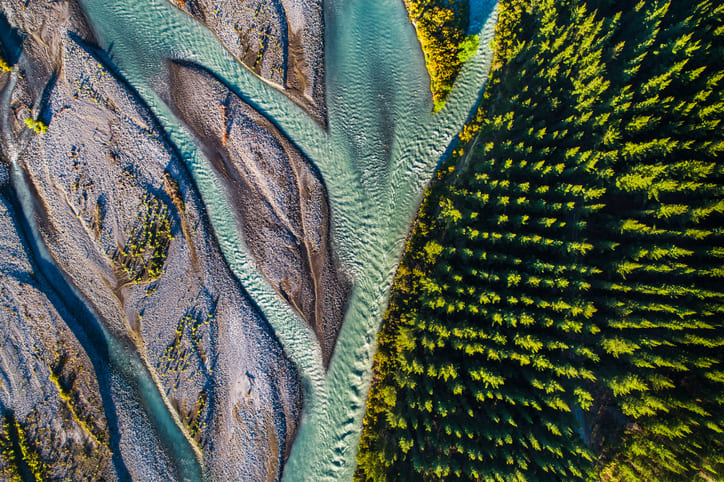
{"type": "Point", "coordinates": [379, 152]}
{"type": "Point", "coordinates": [121, 359]}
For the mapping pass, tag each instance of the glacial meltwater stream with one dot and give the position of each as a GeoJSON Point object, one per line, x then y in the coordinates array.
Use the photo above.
{"type": "Point", "coordinates": [379, 152]}
{"type": "Point", "coordinates": [132, 375]}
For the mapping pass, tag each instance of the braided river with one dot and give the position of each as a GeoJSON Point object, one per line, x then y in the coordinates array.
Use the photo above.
{"type": "Point", "coordinates": [377, 155]}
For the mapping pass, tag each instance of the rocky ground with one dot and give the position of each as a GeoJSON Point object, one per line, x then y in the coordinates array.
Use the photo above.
{"type": "Point", "coordinates": [279, 198]}
{"type": "Point", "coordinates": [48, 383]}
{"type": "Point", "coordinates": [129, 239]}
{"type": "Point", "coordinates": [281, 40]}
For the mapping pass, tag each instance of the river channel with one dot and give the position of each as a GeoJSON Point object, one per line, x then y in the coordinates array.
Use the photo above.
{"type": "Point", "coordinates": [379, 152]}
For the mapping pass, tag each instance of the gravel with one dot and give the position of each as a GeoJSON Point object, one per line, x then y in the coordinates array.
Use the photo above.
{"type": "Point", "coordinates": [100, 168]}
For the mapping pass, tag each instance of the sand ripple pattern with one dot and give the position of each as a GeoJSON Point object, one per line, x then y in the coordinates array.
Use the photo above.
{"type": "Point", "coordinates": [380, 150]}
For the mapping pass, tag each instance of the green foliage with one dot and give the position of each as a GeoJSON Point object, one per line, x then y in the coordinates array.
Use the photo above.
{"type": "Point", "coordinates": [558, 313]}
{"type": "Point", "coordinates": [441, 26]}
{"type": "Point", "coordinates": [11, 457]}
{"type": "Point", "coordinates": [468, 47]}
{"type": "Point", "coordinates": [187, 341]}
{"type": "Point", "coordinates": [38, 126]}
{"type": "Point", "coordinates": [20, 456]}
{"type": "Point", "coordinates": [4, 66]}
{"type": "Point", "coordinates": [65, 377]}
{"type": "Point", "coordinates": [193, 420]}
{"type": "Point", "coordinates": [144, 255]}
{"type": "Point", "coordinates": [182, 358]}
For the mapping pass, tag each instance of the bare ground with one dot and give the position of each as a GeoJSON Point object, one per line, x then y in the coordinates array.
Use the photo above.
{"type": "Point", "coordinates": [282, 41]}
{"type": "Point", "coordinates": [278, 196]}
{"type": "Point", "coordinates": [125, 226]}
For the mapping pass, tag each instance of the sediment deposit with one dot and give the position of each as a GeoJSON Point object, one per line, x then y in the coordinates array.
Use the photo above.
{"type": "Point", "coordinates": [278, 196]}
{"type": "Point", "coordinates": [282, 41]}
{"type": "Point", "coordinates": [132, 260]}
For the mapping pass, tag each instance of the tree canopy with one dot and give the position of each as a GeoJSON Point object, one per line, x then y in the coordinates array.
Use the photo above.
{"type": "Point", "coordinates": [558, 314]}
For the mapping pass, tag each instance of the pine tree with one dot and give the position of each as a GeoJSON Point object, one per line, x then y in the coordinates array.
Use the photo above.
{"type": "Point", "coordinates": [559, 302]}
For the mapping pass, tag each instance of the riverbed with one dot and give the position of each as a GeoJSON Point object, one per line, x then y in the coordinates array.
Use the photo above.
{"type": "Point", "coordinates": [379, 152]}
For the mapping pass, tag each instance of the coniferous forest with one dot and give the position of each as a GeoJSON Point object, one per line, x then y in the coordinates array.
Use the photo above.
{"type": "Point", "coordinates": [559, 312]}
{"type": "Point", "coordinates": [440, 26]}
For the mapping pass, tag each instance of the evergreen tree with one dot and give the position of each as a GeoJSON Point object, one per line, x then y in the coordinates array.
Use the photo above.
{"type": "Point", "coordinates": [558, 314]}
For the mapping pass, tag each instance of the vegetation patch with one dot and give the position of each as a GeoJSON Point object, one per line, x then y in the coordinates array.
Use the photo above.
{"type": "Point", "coordinates": [4, 66]}
{"type": "Point", "coordinates": [441, 27]}
{"type": "Point", "coordinates": [144, 255]}
{"type": "Point", "coordinates": [21, 459]}
{"type": "Point", "coordinates": [187, 341]}
{"type": "Point", "coordinates": [558, 313]}
{"type": "Point", "coordinates": [38, 126]}
{"type": "Point", "coordinates": [193, 418]}
{"type": "Point", "coordinates": [182, 354]}
{"type": "Point", "coordinates": [64, 378]}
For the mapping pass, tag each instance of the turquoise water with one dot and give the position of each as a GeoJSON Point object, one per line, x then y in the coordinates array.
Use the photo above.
{"type": "Point", "coordinates": [135, 376]}
{"type": "Point", "coordinates": [380, 151]}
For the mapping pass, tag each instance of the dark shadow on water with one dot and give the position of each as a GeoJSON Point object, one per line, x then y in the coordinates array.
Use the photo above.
{"type": "Point", "coordinates": [78, 318]}
{"type": "Point", "coordinates": [11, 41]}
